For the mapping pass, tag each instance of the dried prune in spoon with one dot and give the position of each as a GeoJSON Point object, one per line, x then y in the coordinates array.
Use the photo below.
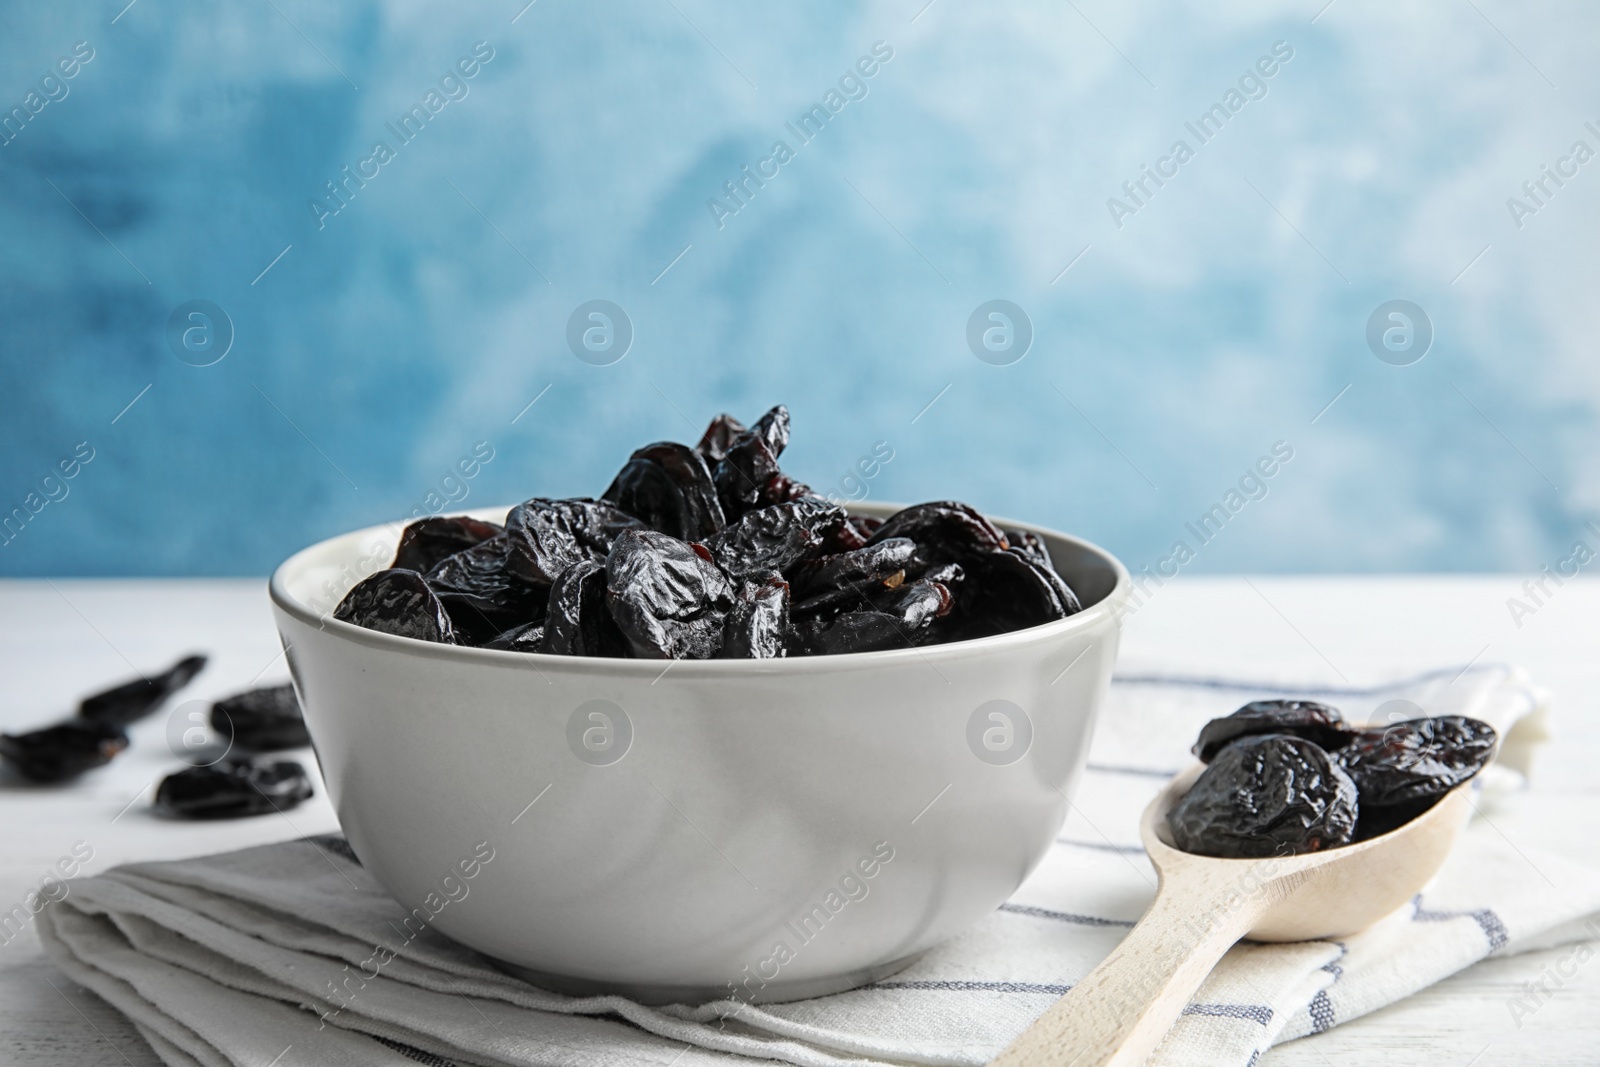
{"type": "Point", "coordinates": [1317, 723]}
{"type": "Point", "coordinates": [577, 621]}
{"type": "Point", "coordinates": [1266, 795]}
{"type": "Point", "coordinates": [261, 720]}
{"type": "Point", "coordinates": [718, 438]}
{"type": "Point", "coordinates": [668, 599]}
{"type": "Point", "coordinates": [134, 700]}
{"type": "Point", "coordinates": [231, 788]}
{"type": "Point", "coordinates": [1419, 759]}
{"type": "Point", "coordinates": [945, 531]}
{"type": "Point", "coordinates": [757, 626]}
{"type": "Point", "coordinates": [397, 602]}
{"type": "Point", "coordinates": [529, 637]}
{"type": "Point", "coordinates": [427, 542]}
{"type": "Point", "coordinates": [481, 594]}
{"type": "Point", "coordinates": [668, 487]}
{"type": "Point", "coordinates": [548, 536]}
{"type": "Point", "coordinates": [64, 751]}
{"type": "Point", "coordinates": [849, 578]}
{"type": "Point", "coordinates": [772, 538]}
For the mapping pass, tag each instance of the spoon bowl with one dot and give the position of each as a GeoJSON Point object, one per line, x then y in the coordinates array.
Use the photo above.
{"type": "Point", "coordinates": [1205, 904]}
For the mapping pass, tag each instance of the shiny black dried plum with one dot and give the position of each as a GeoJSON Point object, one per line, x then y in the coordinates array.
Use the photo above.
{"type": "Point", "coordinates": [1317, 723]}
{"type": "Point", "coordinates": [741, 476]}
{"type": "Point", "coordinates": [481, 594]}
{"type": "Point", "coordinates": [773, 428]}
{"type": "Point", "coordinates": [64, 751]}
{"type": "Point", "coordinates": [668, 599]}
{"type": "Point", "coordinates": [757, 626]}
{"type": "Point", "coordinates": [577, 621]}
{"type": "Point", "coordinates": [548, 536]}
{"type": "Point", "coordinates": [667, 486]}
{"type": "Point", "coordinates": [1005, 591]}
{"type": "Point", "coordinates": [718, 438]}
{"type": "Point", "coordinates": [261, 720]}
{"type": "Point", "coordinates": [231, 788]}
{"type": "Point", "coordinates": [426, 542]}
{"type": "Point", "coordinates": [132, 701]}
{"type": "Point", "coordinates": [772, 538]}
{"type": "Point", "coordinates": [1028, 543]}
{"type": "Point", "coordinates": [1418, 759]}
{"type": "Point", "coordinates": [529, 637]}
{"type": "Point", "coordinates": [849, 579]}
{"type": "Point", "coordinates": [400, 603]}
{"type": "Point", "coordinates": [945, 531]}
{"type": "Point", "coordinates": [1266, 795]}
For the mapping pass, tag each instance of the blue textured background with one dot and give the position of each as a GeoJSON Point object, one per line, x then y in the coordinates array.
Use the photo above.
{"type": "Point", "coordinates": [1222, 317]}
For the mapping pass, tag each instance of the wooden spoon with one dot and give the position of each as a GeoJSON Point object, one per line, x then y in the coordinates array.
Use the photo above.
{"type": "Point", "coordinates": [1121, 1011]}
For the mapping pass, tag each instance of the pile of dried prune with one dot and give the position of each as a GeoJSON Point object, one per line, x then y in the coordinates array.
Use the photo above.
{"type": "Point", "coordinates": [710, 552]}
{"type": "Point", "coordinates": [1291, 776]}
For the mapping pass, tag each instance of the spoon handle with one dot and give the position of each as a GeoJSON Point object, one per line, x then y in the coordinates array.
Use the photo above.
{"type": "Point", "coordinates": [1117, 1015]}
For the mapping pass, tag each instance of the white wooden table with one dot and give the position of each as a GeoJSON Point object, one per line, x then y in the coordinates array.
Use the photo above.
{"type": "Point", "coordinates": [59, 640]}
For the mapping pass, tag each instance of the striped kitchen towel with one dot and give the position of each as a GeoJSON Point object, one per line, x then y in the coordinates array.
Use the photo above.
{"type": "Point", "coordinates": [265, 936]}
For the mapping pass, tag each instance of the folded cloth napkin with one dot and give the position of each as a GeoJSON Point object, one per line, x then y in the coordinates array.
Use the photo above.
{"type": "Point", "coordinates": [281, 955]}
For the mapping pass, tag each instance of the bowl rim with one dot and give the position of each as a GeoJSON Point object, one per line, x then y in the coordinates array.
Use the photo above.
{"type": "Point", "coordinates": [1090, 618]}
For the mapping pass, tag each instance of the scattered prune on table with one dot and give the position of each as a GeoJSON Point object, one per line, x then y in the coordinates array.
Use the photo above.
{"type": "Point", "coordinates": [1266, 795]}
{"type": "Point", "coordinates": [481, 594]}
{"type": "Point", "coordinates": [132, 701]}
{"type": "Point", "coordinates": [707, 551]}
{"type": "Point", "coordinates": [578, 622]}
{"type": "Point", "coordinates": [759, 621]}
{"type": "Point", "coordinates": [529, 637]}
{"type": "Point", "coordinates": [426, 542]}
{"type": "Point", "coordinates": [232, 787]}
{"type": "Point", "coordinates": [1419, 759]}
{"type": "Point", "coordinates": [667, 486]}
{"type": "Point", "coordinates": [668, 599]}
{"type": "Point", "coordinates": [718, 438]}
{"type": "Point", "coordinates": [64, 751]}
{"type": "Point", "coordinates": [1317, 723]}
{"type": "Point", "coordinates": [261, 720]}
{"type": "Point", "coordinates": [849, 579]}
{"type": "Point", "coordinates": [773, 538]}
{"type": "Point", "coordinates": [400, 603]}
{"type": "Point", "coordinates": [548, 536]}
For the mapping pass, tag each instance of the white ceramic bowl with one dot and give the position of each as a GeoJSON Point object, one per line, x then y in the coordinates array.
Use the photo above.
{"type": "Point", "coordinates": [767, 829]}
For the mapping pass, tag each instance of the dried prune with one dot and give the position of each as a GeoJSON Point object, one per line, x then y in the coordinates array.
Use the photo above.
{"type": "Point", "coordinates": [667, 486]}
{"type": "Point", "coordinates": [718, 438]}
{"type": "Point", "coordinates": [759, 621]}
{"type": "Point", "coordinates": [400, 603]}
{"type": "Point", "coordinates": [1266, 795]}
{"type": "Point", "coordinates": [261, 720]}
{"type": "Point", "coordinates": [1315, 722]}
{"type": "Point", "coordinates": [741, 476]}
{"type": "Point", "coordinates": [231, 788]}
{"type": "Point", "coordinates": [481, 594]}
{"type": "Point", "coordinates": [548, 536]}
{"type": "Point", "coordinates": [577, 621]}
{"type": "Point", "coordinates": [426, 542]}
{"type": "Point", "coordinates": [1009, 590]}
{"type": "Point", "coordinates": [849, 578]}
{"type": "Point", "coordinates": [1030, 544]}
{"type": "Point", "coordinates": [132, 701]}
{"type": "Point", "coordinates": [944, 531]}
{"type": "Point", "coordinates": [64, 751]}
{"type": "Point", "coordinates": [668, 599]}
{"type": "Point", "coordinates": [529, 637]}
{"type": "Point", "coordinates": [772, 538]}
{"type": "Point", "coordinates": [773, 428]}
{"type": "Point", "coordinates": [1417, 759]}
